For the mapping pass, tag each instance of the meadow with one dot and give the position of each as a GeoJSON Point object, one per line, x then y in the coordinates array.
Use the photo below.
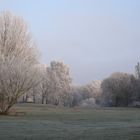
{"type": "Point", "coordinates": [42, 122]}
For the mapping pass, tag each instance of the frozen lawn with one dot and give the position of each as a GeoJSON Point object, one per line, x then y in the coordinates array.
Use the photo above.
{"type": "Point", "coordinates": [41, 122]}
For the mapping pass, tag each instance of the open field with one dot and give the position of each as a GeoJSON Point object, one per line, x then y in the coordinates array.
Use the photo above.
{"type": "Point", "coordinates": [41, 122]}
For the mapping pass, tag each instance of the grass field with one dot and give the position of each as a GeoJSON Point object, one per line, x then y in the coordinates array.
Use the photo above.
{"type": "Point", "coordinates": [41, 122]}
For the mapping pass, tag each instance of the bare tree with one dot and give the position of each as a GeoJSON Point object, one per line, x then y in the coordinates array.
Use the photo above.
{"type": "Point", "coordinates": [81, 94]}
{"type": "Point", "coordinates": [57, 84]}
{"type": "Point", "coordinates": [43, 86]}
{"type": "Point", "coordinates": [19, 70]}
{"type": "Point", "coordinates": [93, 89]}
{"type": "Point", "coordinates": [137, 71]}
{"type": "Point", "coordinates": [118, 89]}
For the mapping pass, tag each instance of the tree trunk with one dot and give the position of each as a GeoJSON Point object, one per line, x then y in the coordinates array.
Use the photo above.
{"type": "Point", "coordinates": [42, 99]}
{"type": "Point", "coordinates": [46, 101]}
{"type": "Point", "coordinates": [6, 111]}
{"type": "Point", "coordinates": [34, 98]}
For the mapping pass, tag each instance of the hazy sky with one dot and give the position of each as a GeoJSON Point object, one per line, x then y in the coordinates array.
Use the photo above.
{"type": "Point", "coordinates": [94, 37]}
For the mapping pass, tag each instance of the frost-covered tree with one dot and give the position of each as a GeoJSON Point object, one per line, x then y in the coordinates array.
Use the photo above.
{"type": "Point", "coordinates": [18, 61]}
{"type": "Point", "coordinates": [137, 71]}
{"type": "Point", "coordinates": [57, 84]}
{"type": "Point", "coordinates": [81, 94]}
{"type": "Point", "coordinates": [118, 89]}
{"type": "Point", "coordinates": [92, 90]}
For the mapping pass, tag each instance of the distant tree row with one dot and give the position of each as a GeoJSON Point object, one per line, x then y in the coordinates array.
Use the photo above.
{"type": "Point", "coordinates": [56, 88]}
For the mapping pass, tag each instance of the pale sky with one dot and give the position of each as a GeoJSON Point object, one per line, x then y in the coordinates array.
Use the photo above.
{"type": "Point", "coordinates": [94, 37]}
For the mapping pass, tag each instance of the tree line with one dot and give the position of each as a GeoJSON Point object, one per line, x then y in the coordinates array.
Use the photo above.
{"type": "Point", "coordinates": [23, 77]}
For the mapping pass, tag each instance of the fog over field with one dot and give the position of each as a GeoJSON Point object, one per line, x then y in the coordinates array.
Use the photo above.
{"type": "Point", "coordinates": [94, 37]}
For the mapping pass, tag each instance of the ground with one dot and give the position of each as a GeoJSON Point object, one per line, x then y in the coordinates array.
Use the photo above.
{"type": "Point", "coordinates": [41, 122]}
